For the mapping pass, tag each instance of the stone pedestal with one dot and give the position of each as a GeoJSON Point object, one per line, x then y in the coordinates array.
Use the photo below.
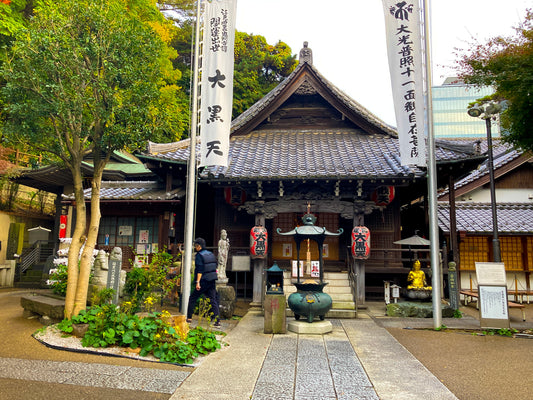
{"type": "Point", "coordinates": [275, 315]}
{"type": "Point", "coordinates": [226, 301]}
{"type": "Point", "coordinates": [416, 310]}
{"type": "Point", "coordinates": [313, 328]}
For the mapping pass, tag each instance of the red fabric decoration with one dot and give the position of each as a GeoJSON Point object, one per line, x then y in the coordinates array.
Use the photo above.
{"type": "Point", "coordinates": [63, 226]}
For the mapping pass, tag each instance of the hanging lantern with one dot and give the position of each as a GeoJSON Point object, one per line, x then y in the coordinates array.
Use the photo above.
{"type": "Point", "coordinates": [360, 242]}
{"type": "Point", "coordinates": [234, 196]}
{"type": "Point", "coordinates": [383, 195]}
{"type": "Point", "coordinates": [258, 242]}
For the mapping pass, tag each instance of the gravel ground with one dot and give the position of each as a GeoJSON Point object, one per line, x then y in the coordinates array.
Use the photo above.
{"type": "Point", "coordinates": [475, 366]}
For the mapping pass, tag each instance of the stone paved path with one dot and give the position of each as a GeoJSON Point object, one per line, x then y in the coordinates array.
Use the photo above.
{"type": "Point", "coordinates": [309, 367]}
{"type": "Point", "coordinates": [94, 375]}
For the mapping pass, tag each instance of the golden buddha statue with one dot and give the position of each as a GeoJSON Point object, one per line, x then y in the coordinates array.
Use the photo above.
{"type": "Point", "coordinates": [416, 279]}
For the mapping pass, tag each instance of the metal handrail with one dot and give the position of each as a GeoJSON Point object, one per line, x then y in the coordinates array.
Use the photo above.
{"type": "Point", "coordinates": [352, 278]}
{"type": "Point", "coordinates": [34, 254]}
{"type": "Point", "coordinates": [29, 258]}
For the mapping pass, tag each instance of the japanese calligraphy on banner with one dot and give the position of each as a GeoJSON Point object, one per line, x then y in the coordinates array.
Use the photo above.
{"type": "Point", "coordinates": [404, 48]}
{"type": "Point", "coordinates": [217, 81]}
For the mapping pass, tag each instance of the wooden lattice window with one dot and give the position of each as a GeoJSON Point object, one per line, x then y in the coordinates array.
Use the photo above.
{"type": "Point", "coordinates": [473, 249]}
{"type": "Point", "coordinates": [511, 250]}
{"type": "Point", "coordinates": [282, 246]}
{"type": "Point", "coordinates": [529, 252]}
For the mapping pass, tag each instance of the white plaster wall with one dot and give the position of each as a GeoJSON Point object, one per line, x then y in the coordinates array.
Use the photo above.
{"type": "Point", "coordinates": [502, 196]}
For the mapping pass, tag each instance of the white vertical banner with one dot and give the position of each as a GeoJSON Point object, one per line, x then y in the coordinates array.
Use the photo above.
{"type": "Point", "coordinates": [404, 48]}
{"type": "Point", "coordinates": [217, 81]}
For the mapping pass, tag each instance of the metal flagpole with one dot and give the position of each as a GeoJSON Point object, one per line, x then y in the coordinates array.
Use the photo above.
{"type": "Point", "coordinates": [432, 180]}
{"type": "Point", "coordinates": [191, 176]}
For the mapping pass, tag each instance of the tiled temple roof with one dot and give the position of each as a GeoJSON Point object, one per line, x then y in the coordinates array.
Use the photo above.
{"type": "Point", "coordinates": [364, 147]}
{"type": "Point", "coordinates": [503, 155]}
{"type": "Point", "coordinates": [471, 217]}
{"type": "Point", "coordinates": [133, 190]}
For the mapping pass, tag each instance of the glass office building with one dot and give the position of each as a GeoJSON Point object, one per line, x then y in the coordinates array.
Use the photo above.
{"type": "Point", "coordinates": [450, 104]}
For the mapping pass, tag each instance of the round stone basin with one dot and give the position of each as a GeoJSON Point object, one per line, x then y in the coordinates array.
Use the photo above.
{"type": "Point", "coordinates": [421, 294]}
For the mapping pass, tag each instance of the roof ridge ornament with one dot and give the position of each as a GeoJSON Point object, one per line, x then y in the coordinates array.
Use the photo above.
{"type": "Point", "coordinates": [306, 55]}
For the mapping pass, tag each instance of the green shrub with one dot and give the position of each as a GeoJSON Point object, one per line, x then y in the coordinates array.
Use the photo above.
{"type": "Point", "coordinates": [109, 325]}
{"type": "Point", "coordinates": [58, 280]}
{"type": "Point", "coordinates": [141, 283]}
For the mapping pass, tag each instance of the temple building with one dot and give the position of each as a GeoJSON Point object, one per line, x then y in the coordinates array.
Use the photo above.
{"type": "Point", "coordinates": [304, 146]}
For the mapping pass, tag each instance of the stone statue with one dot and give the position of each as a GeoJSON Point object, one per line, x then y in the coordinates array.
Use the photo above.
{"type": "Point", "coordinates": [416, 279]}
{"type": "Point", "coordinates": [101, 268]}
{"type": "Point", "coordinates": [116, 254]}
{"type": "Point", "coordinates": [306, 55]}
{"type": "Point", "coordinates": [223, 251]}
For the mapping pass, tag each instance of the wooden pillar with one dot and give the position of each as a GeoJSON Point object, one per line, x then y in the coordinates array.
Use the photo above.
{"type": "Point", "coordinates": [453, 229]}
{"type": "Point", "coordinates": [259, 264]}
{"type": "Point", "coordinates": [359, 265]}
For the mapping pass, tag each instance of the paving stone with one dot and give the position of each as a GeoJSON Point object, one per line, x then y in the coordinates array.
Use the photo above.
{"type": "Point", "coordinates": [270, 391]}
{"type": "Point", "coordinates": [283, 373]}
{"type": "Point", "coordinates": [315, 384]}
{"type": "Point", "coordinates": [162, 386]}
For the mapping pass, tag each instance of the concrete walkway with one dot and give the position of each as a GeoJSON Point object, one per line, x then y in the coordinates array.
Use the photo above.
{"type": "Point", "coordinates": [358, 360]}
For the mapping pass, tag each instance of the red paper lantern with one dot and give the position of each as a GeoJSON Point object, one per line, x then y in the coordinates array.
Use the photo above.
{"type": "Point", "coordinates": [258, 242]}
{"type": "Point", "coordinates": [360, 242]}
{"type": "Point", "coordinates": [383, 195]}
{"type": "Point", "coordinates": [234, 196]}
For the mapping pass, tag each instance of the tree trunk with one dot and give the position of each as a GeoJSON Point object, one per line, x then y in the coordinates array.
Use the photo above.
{"type": "Point", "coordinates": [78, 239]}
{"type": "Point", "coordinates": [92, 236]}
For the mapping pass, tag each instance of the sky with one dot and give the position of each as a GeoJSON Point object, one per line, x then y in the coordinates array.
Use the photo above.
{"type": "Point", "coordinates": [347, 38]}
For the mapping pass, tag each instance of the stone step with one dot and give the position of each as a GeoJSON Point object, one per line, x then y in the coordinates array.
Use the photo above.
{"type": "Point", "coordinates": [337, 290]}
{"type": "Point", "coordinates": [340, 313]}
{"type": "Point", "coordinates": [33, 273]}
{"type": "Point", "coordinates": [340, 305]}
{"type": "Point", "coordinates": [333, 313]}
{"type": "Point", "coordinates": [341, 296]}
{"type": "Point", "coordinates": [28, 285]}
{"type": "Point", "coordinates": [335, 276]}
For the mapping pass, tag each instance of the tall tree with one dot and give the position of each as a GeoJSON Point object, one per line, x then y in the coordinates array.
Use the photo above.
{"type": "Point", "coordinates": [259, 68]}
{"type": "Point", "coordinates": [89, 77]}
{"type": "Point", "coordinates": [506, 63]}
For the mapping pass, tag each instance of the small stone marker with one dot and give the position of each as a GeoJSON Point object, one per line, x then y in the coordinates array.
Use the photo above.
{"type": "Point", "coordinates": [113, 275]}
{"type": "Point", "coordinates": [452, 286]}
{"type": "Point", "coordinates": [275, 315]}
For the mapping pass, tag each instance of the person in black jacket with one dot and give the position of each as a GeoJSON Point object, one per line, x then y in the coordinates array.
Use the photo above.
{"type": "Point", "coordinates": [205, 276]}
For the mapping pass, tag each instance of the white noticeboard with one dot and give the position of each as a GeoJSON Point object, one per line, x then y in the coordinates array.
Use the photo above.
{"type": "Point", "coordinates": [490, 273]}
{"type": "Point", "coordinates": [494, 304]}
{"type": "Point", "coordinates": [240, 263]}
{"type": "Point", "coordinates": [492, 287]}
